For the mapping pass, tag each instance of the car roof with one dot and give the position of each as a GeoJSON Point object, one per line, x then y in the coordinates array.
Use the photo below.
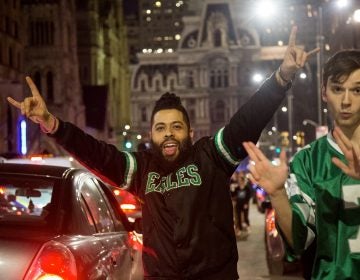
{"type": "Point", "coordinates": [33, 169]}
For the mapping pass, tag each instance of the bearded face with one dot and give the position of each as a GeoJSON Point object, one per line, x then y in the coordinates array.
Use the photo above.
{"type": "Point", "coordinates": [170, 136]}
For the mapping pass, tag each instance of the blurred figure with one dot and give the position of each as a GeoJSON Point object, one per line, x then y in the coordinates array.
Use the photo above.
{"type": "Point", "coordinates": [233, 187]}
{"type": "Point", "coordinates": [242, 194]}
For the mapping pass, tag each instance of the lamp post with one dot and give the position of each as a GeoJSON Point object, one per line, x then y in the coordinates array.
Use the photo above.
{"type": "Point", "coordinates": [290, 98]}
{"type": "Point", "coordinates": [320, 130]}
{"type": "Point", "coordinates": [319, 61]}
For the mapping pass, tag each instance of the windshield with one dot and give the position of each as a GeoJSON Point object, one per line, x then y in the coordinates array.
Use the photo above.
{"type": "Point", "coordinates": [26, 200]}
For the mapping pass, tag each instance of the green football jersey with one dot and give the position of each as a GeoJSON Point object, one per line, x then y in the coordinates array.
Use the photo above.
{"type": "Point", "coordinates": [326, 208]}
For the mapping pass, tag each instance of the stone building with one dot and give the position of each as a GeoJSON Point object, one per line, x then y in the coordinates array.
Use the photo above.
{"type": "Point", "coordinates": [76, 53]}
{"type": "Point", "coordinates": [11, 72]}
{"type": "Point", "coordinates": [103, 64]}
{"type": "Point", "coordinates": [51, 60]}
{"type": "Point", "coordinates": [224, 45]}
{"type": "Point", "coordinates": [211, 70]}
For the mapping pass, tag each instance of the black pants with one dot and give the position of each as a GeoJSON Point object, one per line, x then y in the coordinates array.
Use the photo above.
{"type": "Point", "coordinates": [242, 215]}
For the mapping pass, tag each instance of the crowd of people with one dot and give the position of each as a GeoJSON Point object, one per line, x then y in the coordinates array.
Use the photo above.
{"type": "Point", "coordinates": [188, 226]}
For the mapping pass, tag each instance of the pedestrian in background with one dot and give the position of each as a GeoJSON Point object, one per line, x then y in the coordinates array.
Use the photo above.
{"type": "Point", "coordinates": [322, 200]}
{"type": "Point", "coordinates": [188, 229]}
{"type": "Point", "coordinates": [233, 186]}
{"type": "Point", "coordinates": [242, 195]}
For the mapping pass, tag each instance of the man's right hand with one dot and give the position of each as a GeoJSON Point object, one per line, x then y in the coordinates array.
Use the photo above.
{"type": "Point", "coordinates": [35, 108]}
{"type": "Point", "coordinates": [294, 58]}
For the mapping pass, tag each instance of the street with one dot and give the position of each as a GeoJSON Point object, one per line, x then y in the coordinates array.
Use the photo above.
{"type": "Point", "coordinates": [252, 261]}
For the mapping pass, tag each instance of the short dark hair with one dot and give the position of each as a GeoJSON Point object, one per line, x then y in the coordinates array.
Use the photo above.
{"type": "Point", "coordinates": [170, 101]}
{"type": "Point", "coordinates": [341, 65]}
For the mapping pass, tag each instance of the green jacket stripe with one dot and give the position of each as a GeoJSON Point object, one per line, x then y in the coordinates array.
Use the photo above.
{"type": "Point", "coordinates": [130, 168]}
{"type": "Point", "coordinates": [223, 149]}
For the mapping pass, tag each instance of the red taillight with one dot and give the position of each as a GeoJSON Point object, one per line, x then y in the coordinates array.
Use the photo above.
{"type": "Point", "coordinates": [270, 223]}
{"type": "Point", "coordinates": [53, 262]}
{"type": "Point", "coordinates": [50, 277]}
{"type": "Point", "coordinates": [127, 206]}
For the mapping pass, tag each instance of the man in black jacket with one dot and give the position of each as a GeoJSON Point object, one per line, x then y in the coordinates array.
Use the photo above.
{"type": "Point", "coordinates": [187, 212]}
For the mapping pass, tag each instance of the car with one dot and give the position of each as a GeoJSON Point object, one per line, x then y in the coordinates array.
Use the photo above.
{"type": "Point", "coordinates": [128, 203]}
{"type": "Point", "coordinates": [278, 262]}
{"type": "Point", "coordinates": [63, 223]}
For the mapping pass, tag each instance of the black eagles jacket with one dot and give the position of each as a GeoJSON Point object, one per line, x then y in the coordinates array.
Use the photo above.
{"type": "Point", "coordinates": [187, 212]}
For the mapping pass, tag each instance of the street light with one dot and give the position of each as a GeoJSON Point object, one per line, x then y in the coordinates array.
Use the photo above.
{"type": "Point", "coordinates": [307, 121]}
{"type": "Point", "coordinates": [320, 130]}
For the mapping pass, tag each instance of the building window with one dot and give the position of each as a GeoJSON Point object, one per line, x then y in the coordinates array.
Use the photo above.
{"type": "Point", "coordinates": [157, 85]}
{"type": "Point", "coordinates": [143, 114]}
{"type": "Point", "coordinates": [172, 84]}
{"type": "Point", "coordinates": [219, 75]}
{"type": "Point", "coordinates": [50, 86]}
{"type": "Point", "coordinates": [19, 60]}
{"type": "Point", "coordinates": [142, 85]}
{"type": "Point", "coordinates": [212, 79]}
{"type": "Point", "coordinates": [16, 30]}
{"type": "Point", "coordinates": [219, 111]}
{"type": "Point", "coordinates": [41, 33]}
{"type": "Point", "coordinates": [11, 58]}
{"type": "Point", "coordinates": [190, 79]}
{"type": "Point", "coordinates": [7, 25]}
{"type": "Point", "coordinates": [37, 80]}
{"type": "Point", "coordinates": [217, 38]}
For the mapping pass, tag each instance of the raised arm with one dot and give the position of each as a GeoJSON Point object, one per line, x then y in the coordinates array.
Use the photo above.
{"type": "Point", "coordinates": [272, 178]}
{"type": "Point", "coordinates": [249, 121]}
{"type": "Point", "coordinates": [35, 109]}
{"type": "Point", "coordinates": [294, 59]}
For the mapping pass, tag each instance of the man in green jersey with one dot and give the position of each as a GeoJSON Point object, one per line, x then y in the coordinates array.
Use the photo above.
{"type": "Point", "coordinates": [321, 200]}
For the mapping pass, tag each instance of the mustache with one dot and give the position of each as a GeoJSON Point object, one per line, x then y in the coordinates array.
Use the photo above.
{"type": "Point", "coordinates": [169, 138]}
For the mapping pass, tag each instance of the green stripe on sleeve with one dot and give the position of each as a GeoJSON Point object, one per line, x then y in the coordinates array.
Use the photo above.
{"type": "Point", "coordinates": [130, 168]}
{"type": "Point", "coordinates": [223, 150]}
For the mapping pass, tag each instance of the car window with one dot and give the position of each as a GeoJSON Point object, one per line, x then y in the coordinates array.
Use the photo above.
{"type": "Point", "coordinates": [25, 199]}
{"type": "Point", "coordinates": [97, 207]}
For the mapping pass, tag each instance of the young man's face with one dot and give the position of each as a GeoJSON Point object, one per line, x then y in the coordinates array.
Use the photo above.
{"type": "Point", "coordinates": [343, 99]}
{"type": "Point", "coordinates": [170, 134]}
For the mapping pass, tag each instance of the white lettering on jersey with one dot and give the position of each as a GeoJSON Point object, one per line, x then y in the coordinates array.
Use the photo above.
{"type": "Point", "coordinates": [351, 196]}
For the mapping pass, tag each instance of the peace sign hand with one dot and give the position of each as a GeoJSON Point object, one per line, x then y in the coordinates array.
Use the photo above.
{"type": "Point", "coordinates": [351, 152]}
{"type": "Point", "coordinates": [294, 58]}
{"type": "Point", "coordinates": [34, 107]}
{"type": "Point", "coordinates": [270, 177]}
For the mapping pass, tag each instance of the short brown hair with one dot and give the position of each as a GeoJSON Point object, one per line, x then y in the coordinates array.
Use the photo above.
{"type": "Point", "coordinates": [341, 65]}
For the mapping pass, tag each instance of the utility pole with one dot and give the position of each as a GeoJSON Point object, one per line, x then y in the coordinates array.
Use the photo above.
{"type": "Point", "coordinates": [290, 98]}
{"type": "Point", "coordinates": [319, 61]}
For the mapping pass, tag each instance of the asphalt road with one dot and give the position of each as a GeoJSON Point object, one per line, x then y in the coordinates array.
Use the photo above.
{"type": "Point", "coordinates": [252, 262]}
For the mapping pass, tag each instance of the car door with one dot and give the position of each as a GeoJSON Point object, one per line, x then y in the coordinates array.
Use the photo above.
{"type": "Point", "coordinates": [116, 259]}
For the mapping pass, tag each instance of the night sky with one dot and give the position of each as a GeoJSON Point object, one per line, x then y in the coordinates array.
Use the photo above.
{"type": "Point", "coordinates": [131, 6]}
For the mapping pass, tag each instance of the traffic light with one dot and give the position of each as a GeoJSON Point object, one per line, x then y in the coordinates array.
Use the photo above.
{"type": "Point", "coordinates": [284, 138]}
{"type": "Point", "coordinates": [128, 143]}
{"type": "Point", "coordinates": [300, 138]}
{"type": "Point", "coordinates": [277, 150]}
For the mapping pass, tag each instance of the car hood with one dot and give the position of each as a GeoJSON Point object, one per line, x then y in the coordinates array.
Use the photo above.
{"type": "Point", "coordinates": [16, 257]}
